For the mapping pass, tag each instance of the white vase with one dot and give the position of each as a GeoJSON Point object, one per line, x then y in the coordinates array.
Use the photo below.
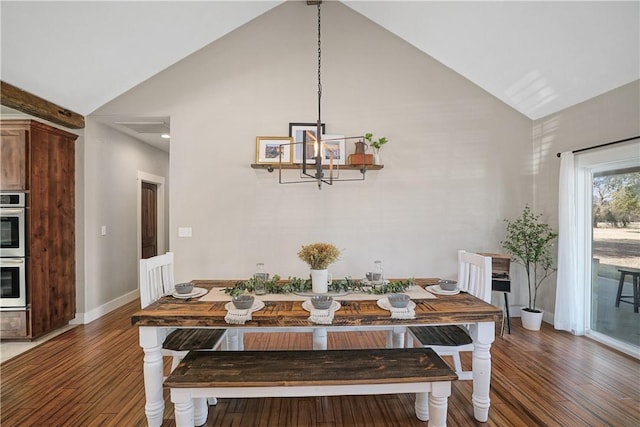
{"type": "Point", "coordinates": [531, 320]}
{"type": "Point", "coordinates": [320, 280]}
{"type": "Point", "coordinates": [376, 156]}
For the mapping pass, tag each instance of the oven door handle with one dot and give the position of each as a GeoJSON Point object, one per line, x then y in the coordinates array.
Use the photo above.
{"type": "Point", "coordinates": [6, 211]}
{"type": "Point", "coordinates": [11, 260]}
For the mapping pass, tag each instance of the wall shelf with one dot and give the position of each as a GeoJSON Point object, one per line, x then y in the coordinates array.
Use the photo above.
{"type": "Point", "coordinates": [271, 167]}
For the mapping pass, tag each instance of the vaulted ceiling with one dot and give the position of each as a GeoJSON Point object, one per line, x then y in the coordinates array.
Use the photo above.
{"type": "Point", "coordinates": [538, 57]}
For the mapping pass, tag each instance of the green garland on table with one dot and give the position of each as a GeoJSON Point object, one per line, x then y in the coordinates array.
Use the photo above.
{"type": "Point", "coordinates": [296, 284]}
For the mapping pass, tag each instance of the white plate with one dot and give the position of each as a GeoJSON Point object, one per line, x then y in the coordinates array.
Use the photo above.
{"type": "Point", "coordinates": [436, 289]}
{"type": "Point", "coordinates": [257, 305]}
{"type": "Point", "coordinates": [383, 303]}
{"type": "Point", "coordinates": [307, 305]}
{"type": "Point", "coordinates": [195, 292]}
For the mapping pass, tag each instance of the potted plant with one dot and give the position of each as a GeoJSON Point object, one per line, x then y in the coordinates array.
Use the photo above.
{"type": "Point", "coordinates": [529, 242]}
{"type": "Point", "coordinates": [376, 144]}
{"type": "Point", "coordinates": [319, 256]}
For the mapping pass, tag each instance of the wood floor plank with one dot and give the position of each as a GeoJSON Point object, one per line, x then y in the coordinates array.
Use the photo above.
{"type": "Point", "coordinates": [92, 375]}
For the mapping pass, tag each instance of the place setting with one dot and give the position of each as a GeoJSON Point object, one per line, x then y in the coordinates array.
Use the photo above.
{"type": "Point", "coordinates": [241, 307]}
{"type": "Point", "coordinates": [444, 287]}
{"type": "Point", "coordinates": [400, 306]}
{"type": "Point", "coordinates": [321, 308]}
{"type": "Point", "coordinates": [187, 291]}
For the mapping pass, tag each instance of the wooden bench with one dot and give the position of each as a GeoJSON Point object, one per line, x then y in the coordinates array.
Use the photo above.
{"type": "Point", "coordinates": [245, 374]}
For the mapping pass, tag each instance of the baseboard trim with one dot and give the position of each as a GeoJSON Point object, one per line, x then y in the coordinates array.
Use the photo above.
{"type": "Point", "coordinates": [96, 313]}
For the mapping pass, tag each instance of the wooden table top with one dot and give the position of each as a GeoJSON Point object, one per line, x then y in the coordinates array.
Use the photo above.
{"type": "Point", "coordinates": [453, 309]}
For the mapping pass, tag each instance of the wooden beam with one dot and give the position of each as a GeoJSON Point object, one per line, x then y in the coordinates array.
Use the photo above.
{"type": "Point", "coordinates": [18, 99]}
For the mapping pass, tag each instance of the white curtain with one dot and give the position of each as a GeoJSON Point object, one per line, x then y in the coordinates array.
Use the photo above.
{"type": "Point", "coordinates": [570, 295]}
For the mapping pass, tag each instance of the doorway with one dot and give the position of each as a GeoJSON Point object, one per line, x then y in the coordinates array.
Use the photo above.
{"type": "Point", "coordinates": [151, 231]}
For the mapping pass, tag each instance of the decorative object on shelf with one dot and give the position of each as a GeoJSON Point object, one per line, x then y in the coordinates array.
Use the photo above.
{"type": "Point", "coordinates": [273, 149]}
{"type": "Point", "coordinates": [319, 256]}
{"type": "Point", "coordinates": [529, 242]}
{"type": "Point", "coordinates": [297, 132]}
{"type": "Point", "coordinates": [376, 145]}
{"type": "Point", "coordinates": [334, 146]}
{"type": "Point", "coordinates": [359, 157]}
{"type": "Point", "coordinates": [315, 149]}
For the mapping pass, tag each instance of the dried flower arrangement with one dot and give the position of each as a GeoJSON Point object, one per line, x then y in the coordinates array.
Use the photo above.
{"type": "Point", "coordinates": [319, 255]}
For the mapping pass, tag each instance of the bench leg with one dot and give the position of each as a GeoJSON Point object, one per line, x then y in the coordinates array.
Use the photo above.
{"type": "Point", "coordinates": [422, 407]}
{"type": "Point", "coordinates": [183, 407]}
{"type": "Point", "coordinates": [432, 406]}
{"type": "Point", "coordinates": [200, 411]}
{"type": "Point", "coordinates": [440, 392]}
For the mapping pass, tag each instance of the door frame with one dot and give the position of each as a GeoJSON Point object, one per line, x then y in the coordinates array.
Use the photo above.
{"type": "Point", "coordinates": [159, 181]}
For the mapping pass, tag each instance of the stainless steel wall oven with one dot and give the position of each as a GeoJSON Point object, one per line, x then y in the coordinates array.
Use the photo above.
{"type": "Point", "coordinates": [12, 225]}
{"type": "Point", "coordinates": [13, 288]}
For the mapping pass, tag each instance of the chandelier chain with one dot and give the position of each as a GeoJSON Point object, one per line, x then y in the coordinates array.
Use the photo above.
{"type": "Point", "coordinates": [319, 62]}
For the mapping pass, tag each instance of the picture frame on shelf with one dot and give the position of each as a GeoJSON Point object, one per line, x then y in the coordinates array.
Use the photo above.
{"type": "Point", "coordinates": [337, 144]}
{"type": "Point", "coordinates": [270, 148]}
{"type": "Point", "coordinates": [297, 132]}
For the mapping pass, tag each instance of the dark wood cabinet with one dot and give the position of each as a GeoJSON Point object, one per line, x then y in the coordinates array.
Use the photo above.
{"type": "Point", "coordinates": [13, 158]}
{"type": "Point", "coordinates": [49, 159]}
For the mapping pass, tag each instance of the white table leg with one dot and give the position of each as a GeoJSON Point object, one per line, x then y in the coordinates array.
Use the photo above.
{"type": "Point", "coordinates": [151, 339]}
{"type": "Point", "coordinates": [409, 341]}
{"type": "Point", "coordinates": [483, 335]}
{"type": "Point", "coordinates": [233, 339]}
{"type": "Point", "coordinates": [397, 337]}
{"type": "Point", "coordinates": [320, 339]}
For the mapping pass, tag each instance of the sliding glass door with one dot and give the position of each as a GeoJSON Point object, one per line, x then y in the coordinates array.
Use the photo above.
{"type": "Point", "coordinates": [608, 209]}
{"type": "Point", "coordinates": [615, 250]}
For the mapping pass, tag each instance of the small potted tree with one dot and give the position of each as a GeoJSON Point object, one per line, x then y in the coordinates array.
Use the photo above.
{"type": "Point", "coordinates": [529, 241]}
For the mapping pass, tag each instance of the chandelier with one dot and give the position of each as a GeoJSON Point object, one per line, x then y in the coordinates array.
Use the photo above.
{"type": "Point", "coordinates": [314, 148]}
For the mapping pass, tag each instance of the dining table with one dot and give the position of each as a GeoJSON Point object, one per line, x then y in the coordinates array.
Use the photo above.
{"type": "Point", "coordinates": [287, 313]}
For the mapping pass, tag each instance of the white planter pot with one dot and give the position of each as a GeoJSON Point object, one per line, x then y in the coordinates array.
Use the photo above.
{"type": "Point", "coordinates": [530, 320]}
{"type": "Point", "coordinates": [320, 280]}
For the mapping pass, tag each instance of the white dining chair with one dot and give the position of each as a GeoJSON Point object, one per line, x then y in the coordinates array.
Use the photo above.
{"type": "Point", "coordinates": [156, 281]}
{"type": "Point", "coordinates": [474, 277]}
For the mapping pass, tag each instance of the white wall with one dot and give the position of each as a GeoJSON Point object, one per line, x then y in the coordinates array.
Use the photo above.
{"type": "Point", "coordinates": [111, 164]}
{"type": "Point", "coordinates": [458, 162]}
{"type": "Point", "coordinates": [612, 116]}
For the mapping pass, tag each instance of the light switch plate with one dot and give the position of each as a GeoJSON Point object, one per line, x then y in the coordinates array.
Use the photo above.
{"type": "Point", "coordinates": [185, 232]}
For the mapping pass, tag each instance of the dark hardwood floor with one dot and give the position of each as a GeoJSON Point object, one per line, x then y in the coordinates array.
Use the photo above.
{"type": "Point", "coordinates": [92, 375]}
